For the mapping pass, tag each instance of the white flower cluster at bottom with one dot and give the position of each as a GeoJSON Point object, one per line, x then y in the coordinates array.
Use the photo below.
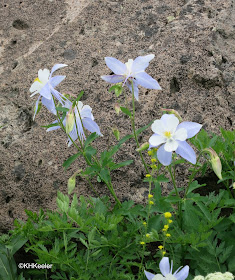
{"type": "Point", "coordinates": [216, 276]}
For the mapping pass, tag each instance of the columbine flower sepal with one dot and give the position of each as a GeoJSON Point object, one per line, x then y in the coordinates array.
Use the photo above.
{"type": "Point", "coordinates": [132, 71]}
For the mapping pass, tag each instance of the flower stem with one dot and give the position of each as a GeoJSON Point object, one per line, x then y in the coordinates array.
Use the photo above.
{"type": "Point", "coordinates": [133, 128]}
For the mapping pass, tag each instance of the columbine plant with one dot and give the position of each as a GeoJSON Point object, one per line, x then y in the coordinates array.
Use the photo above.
{"type": "Point", "coordinates": [166, 271]}
{"type": "Point", "coordinates": [133, 74]}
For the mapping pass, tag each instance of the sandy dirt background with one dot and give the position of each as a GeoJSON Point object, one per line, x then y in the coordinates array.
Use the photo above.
{"type": "Point", "coordinates": [193, 43]}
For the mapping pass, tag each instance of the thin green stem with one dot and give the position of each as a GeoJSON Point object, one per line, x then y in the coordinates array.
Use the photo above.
{"type": "Point", "coordinates": [133, 128]}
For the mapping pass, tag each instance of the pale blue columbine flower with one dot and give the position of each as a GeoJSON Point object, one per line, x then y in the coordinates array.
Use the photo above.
{"type": "Point", "coordinates": [166, 271]}
{"type": "Point", "coordinates": [83, 119]}
{"type": "Point", "coordinates": [44, 85]}
{"type": "Point", "coordinates": [169, 132]}
{"type": "Point", "coordinates": [131, 71]}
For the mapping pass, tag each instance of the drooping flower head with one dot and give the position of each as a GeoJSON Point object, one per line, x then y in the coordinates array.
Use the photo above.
{"type": "Point", "coordinates": [83, 119]}
{"type": "Point", "coordinates": [171, 136]}
{"type": "Point", "coordinates": [44, 85]}
{"type": "Point", "coordinates": [131, 71]}
{"type": "Point", "coordinates": [166, 271]}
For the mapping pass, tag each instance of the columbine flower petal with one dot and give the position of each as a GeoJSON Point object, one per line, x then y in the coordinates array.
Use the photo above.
{"type": "Point", "coordinates": [43, 75]}
{"type": "Point", "coordinates": [115, 65]}
{"type": "Point", "coordinates": [142, 62]}
{"type": "Point", "coordinates": [45, 92]}
{"type": "Point", "coordinates": [171, 123]}
{"type": "Point", "coordinates": [35, 88]}
{"type": "Point", "coordinates": [36, 107]}
{"type": "Point", "coordinates": [171, 145]}
{"type": "Point", "coordinates": [163, 156]}
{"type": "Point", "coordinates": [186, 151]}
{"type": "Point", "coordinates": [156, 140]}
{"type": "Point", "coordinates": [191, 127]}
{"type": "Point", "coordinates": [157, 127]}
{"type": "Point", "coordinates": [146, 81]}
{"type": "Point", "coordinates": [113, 79]}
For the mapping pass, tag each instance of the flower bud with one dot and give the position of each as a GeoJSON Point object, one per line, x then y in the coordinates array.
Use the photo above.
{"type": "Point", "coordinates": [71, 184]}
{"type": "Point", "coordinates": [69, 121]}
{"type": "Point", "coordinates": [215, 162]}
{"type": "Point", "coordinates": [116, 133]}
{"type": "Point", "coordinates": [143, 147]}
{"type": "Point", "coordinates": [172, 111]}
{"type": "Point", "coordinates": [117, 108]}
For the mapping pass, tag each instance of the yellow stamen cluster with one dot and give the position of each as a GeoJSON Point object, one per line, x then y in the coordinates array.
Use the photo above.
{"type": "Point", "coordinates": [167, 134]}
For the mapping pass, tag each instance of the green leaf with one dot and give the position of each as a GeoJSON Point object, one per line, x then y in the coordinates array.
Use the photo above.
{"type": "Point", "coordinates": [105, 175]}
{"type": "Point", "coordinates": [50, 125]}
{"type": "Point", "coordinates": [70, 160]}
{"type": "Point", "coordinates": [121, 164]}
{"type": "Point", "coordinates": [78, 98]}
{"type": "Point", "coordinates": [62, 109]}
{"type": "Point", "coordinates": [90, 151]}
{"type": "Point", "coordinates": [90, 139]}
{"type": "Point", "coordinates": [126, 111]}
{"type": "Point", "coordinates": [138, 131]}
{"type": "Point", "coordinates": [194, 185]}
{"type": "Point", "coordinates": [172, 199]}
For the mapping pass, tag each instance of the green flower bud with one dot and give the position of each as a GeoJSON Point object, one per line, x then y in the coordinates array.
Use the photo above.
{"type": "Point", "coordinates": [143, 147]}
{"type": "Point", "coordinates": [172, 111]}
{"type": "Point", "coordinates": [215, 161]}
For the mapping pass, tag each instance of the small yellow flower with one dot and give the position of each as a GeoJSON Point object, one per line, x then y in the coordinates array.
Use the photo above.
{"type": "Point", "coordinates": [154, 166]}
{"type": "Point", "coordinates": [160, 247]}
{"type": "Point", "coordinates": [147, 175]}
{"type": "Point", "coordinates": [168, 235]}
{"type": "Point", "coordinates": [142, 242]}
{"type": "Point", "coordinates": [153, 160]}
{"type": "Point", "coordinates": [148, 235]}
{"type": "Point", "coordinates": [169, 221]}
{"type": "Point", "coordinates": [150, 153]}
{"type": "Point", "coordinates": [163, 253]}
{"type": "Point", "coordinates": [144, 223]}
{"type": "Point", "coordinates": [150, 196]}
{"type": "Point", "coordinates": [166, 227]}
{"type": "Point", "coordinates": [167, 215]}
{"type": "Point", "coordinates": [151, 202]}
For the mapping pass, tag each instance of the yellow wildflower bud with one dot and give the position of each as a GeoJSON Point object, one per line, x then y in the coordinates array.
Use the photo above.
{"type": "Point", "coordinates": [154, 166]}
{"type": "Point", "coordinates": [147, 235]}
{"type": "Point", "coordinates": [167, 215]}
{"type": "Point", "coordinates": [151, 202]}
{"type": "Point", "coordinates": [160, 247]}
{"type": "Point", "coordinates": [166, 227]}
{"type": "Point", "coordinates": [163, 253]}
{"type": "Point", "coordinates": [169, 221]}
{"type": "Point", "coordinates": [147, 175]}
{"type": "Point", "coordinates": [142, 242]}
{"type": "Point", "coordinates": [144, 223]}
{"type": "Point", "coordinates": [153, 160]}
{"type": "Point", "coordinates": [150, 196]}
{"type": "Point", "coordinates": [168, 235]}
{"type": "Point", "coordinates": [150, 153]}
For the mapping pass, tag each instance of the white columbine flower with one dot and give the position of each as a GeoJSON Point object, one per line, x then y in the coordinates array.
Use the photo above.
{"type": "Point", "coordinates": [166, 271]}
{"type": "Point", "coordinates": [83, 119]}
{"type": "Point", "coordinates": [44, 85]}
{"type": "Point", "coordinates": [171, 136]}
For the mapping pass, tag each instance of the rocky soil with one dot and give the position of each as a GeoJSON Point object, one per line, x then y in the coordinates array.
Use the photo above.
{"type": "Point", "coordinates": [193, 43]}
